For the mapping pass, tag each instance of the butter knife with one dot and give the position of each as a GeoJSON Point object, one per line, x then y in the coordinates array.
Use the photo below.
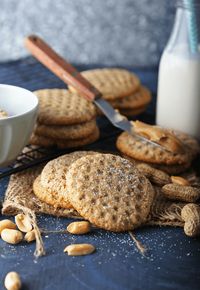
{"type": "Point", "coordinates": [68, 74]}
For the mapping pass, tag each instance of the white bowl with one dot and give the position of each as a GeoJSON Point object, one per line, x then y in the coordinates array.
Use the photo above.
{"type": "Point", "coordinates": [15, 130]}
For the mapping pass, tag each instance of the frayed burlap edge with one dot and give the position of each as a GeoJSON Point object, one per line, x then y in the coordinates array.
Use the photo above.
{"type": "Point", "coordinates": [19, 197]}
{"type": "Point", "coordinates": [39, 250]}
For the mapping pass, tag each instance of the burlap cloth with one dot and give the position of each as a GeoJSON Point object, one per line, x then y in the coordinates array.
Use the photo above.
{"type": "Point", "coordinates": [19, 197]}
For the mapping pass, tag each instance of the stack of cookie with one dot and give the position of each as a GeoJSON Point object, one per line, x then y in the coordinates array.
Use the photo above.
{"type": "Point", "coordinates": [121, 88]}
{"type": "Point", "coordinates": [105, 189]}
{"type": "Point", "coordinates": [178, 150]}
{"type": "Point", "coordinates": [65, 120]}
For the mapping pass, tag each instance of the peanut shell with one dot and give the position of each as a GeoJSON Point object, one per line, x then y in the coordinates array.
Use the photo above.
{"type": "Point", "coordinates": [191, 215]}
{"type": "Point", "coordinates": [179, 192]}
{"type": "Point", "coordinates": [154, 175]}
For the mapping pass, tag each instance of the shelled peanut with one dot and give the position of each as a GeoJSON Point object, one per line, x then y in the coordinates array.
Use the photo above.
{"type": "Point", "coordinates": [11, 236]}
{"type": "Point", "coordinates": [180, 180]}
{"type": "Point", "coordinates": [79, 228]}
{"type": "Point", "coordinates": [12, 281]}
{"type": "Point", "coordinates": [7, 224]}
{"type": "Point", "coordinates": [30, 236]}
{"type": "Point", "coordinates": [23, 223]}
{"type": "Point", "coordinates": [79, 249]}
{"type": "Point", "coordinates": [12, 232]}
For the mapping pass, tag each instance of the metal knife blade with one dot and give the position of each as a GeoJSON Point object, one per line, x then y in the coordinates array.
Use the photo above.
{"type": "Point", "coordinates": [120, 121]}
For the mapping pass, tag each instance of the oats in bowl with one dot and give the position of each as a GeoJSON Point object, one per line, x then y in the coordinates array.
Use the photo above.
{"type": "Point", "coordinates": [3, 114]}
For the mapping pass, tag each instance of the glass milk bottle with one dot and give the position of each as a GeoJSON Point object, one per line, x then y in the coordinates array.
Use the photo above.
{"type": "Point", "coordinates": [178, 101]}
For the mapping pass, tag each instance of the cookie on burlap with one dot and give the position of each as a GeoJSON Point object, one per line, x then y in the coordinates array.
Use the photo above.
{"type": "Point", "coordinates": [138, 149]}
{"type": "Point", "coordinates": [170, 169]}
{"type": "Point", "coordinates": [49, 196]}
{"type": "Point", "coordinates": [64, 143]}
{"type": "Point", "coordinates": [20, 193]}
{"type": "Point", "coordinates": [62, 107]}
{"type": "Point", "coordinates": [109, 191]}
{"type": "Point", "coordinates": [78, 131]}
{"type": "Point", "coordinates": [50, 185]}
{"type": "Point", "coordinates": [139, 99]}
{"type": "Point", "coordinates": [113, 83]}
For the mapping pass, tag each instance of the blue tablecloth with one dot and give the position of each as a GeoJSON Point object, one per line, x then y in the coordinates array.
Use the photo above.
{"type": "Point", "coordinates": [172, 260]}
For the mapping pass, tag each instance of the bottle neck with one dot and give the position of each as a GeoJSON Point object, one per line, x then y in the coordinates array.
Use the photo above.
{"type": "Point", "coordinates": [180, 38]}
{"type": "Point", "coordinates": [188, 5]}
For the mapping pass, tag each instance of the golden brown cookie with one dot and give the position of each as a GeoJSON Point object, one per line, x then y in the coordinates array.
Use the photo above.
{"type": "Point", "coordinates": [71, 132]}
{"type": "Point", "coordinates": [41, 141]}
{"type": "Point", "coordinates": [159, 135]}
{"type": "Point", "coordinates": [191, 143]}
{"type": "Point", "coordinates": [170, 169]}
{"type": "Point", "coordinates": [50, 186]}
{"type": "Point", "coordinates": [79, 142]}
{"type": "Point", "coordinates": [135, 148]}
{"type": "Point", "coordinates": [139, 99]}
{"type": "Point", "coordinates": [126, 112]}
{"type": "Point", "coordinates": [109, 191]}
{"type": "Point", "coordinates": [173, 169]}
{"type": "Point", "coordinates": [133, 112]}
{"type": "Point", "coordinates": [62, 107]}
{"type": "Point", "coordinates": [113, 83]}
{"type": "Point", "coordinates": [20, 193]}
{"type": "Point", "coordinates": [64, 143]}
{"type": "Point", "coordinates": [49, 196]}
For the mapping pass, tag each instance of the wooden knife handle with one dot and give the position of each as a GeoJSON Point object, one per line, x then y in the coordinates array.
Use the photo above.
{"type": "Point", "coordinates": [60, 67]}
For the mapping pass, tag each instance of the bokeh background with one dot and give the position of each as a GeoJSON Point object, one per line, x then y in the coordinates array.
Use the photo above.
{"type": "Point", "coordinates": [110, 32]}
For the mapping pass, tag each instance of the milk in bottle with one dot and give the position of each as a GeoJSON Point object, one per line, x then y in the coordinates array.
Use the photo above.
{"type": "Point", "coordinates": [178, 101]}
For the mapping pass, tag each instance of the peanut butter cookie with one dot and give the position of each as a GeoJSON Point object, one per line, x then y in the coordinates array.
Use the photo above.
{"type": "Point", "coordinates": [64, 143]}
{"type": "Point", "coordinates": [113, 83]}
{"type": "Point", "coordinates": [71, 132]}
{"type": "Point", "coordinates": [109, 191]}
{"type": "Point", "coordinates": [62, 107]}
{"type": "Point", "coordinates": [50, 185]}
{"type": "Point", "coordinates": [176, 150]}
{"type": "Point", "coordinates": [139, 99]}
